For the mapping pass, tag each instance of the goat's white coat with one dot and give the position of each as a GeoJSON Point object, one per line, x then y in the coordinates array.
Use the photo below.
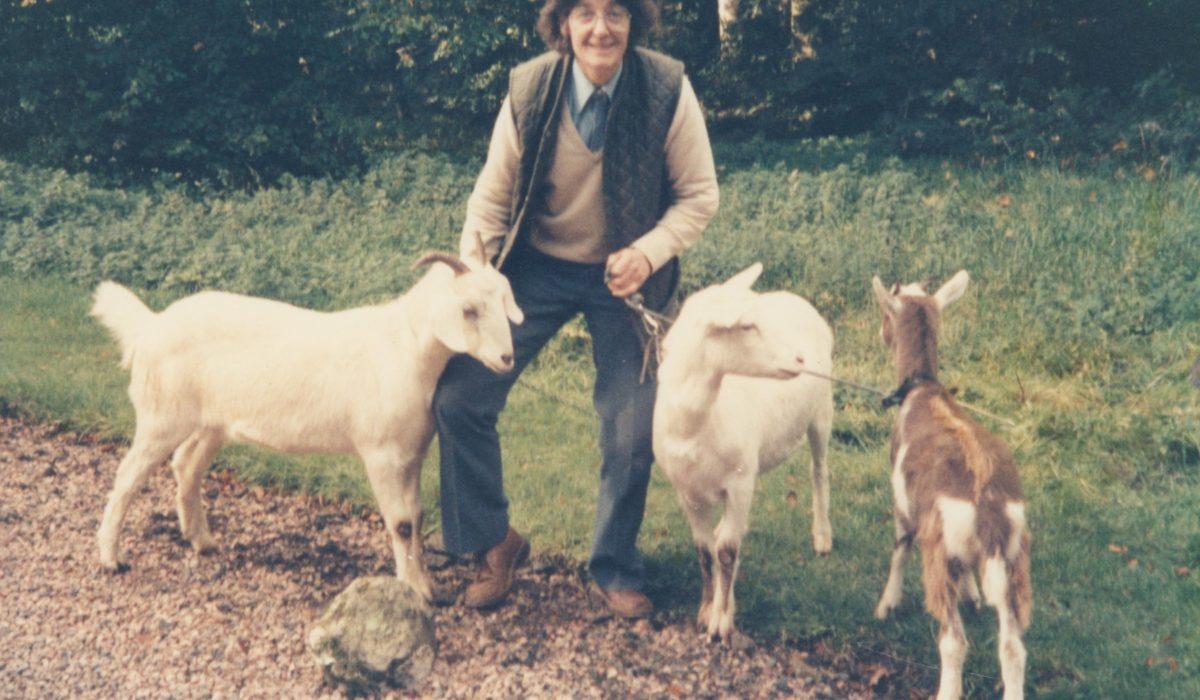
{"type": "Point", "coordinates": [218, 367]}
{"type": "Point", "coordinates": [958, 527]}
{"type": "Point", "coordinates": [732, 403]}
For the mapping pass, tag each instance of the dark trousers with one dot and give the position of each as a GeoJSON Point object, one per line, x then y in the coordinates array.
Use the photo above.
{"type": "Point", "coordinates": [469, 398]}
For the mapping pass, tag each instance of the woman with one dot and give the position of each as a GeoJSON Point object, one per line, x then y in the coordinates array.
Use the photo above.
{"type": "Point", "coordinates": [599, 173]}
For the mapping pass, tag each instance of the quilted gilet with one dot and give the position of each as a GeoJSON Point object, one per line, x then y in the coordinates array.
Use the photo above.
{"type": "Point", "coordinates": [635, 185]}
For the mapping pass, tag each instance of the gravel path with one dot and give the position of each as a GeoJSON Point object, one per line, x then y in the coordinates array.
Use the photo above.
{"type": "Point", "coordinates": [232, 625]}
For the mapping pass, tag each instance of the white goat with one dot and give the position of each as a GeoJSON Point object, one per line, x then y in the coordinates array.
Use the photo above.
{"type": "Point", "coordinates": [956, 491]}
{"type": "Point", "coordinates": [733, 402]}
{"type": "Point", "coordinates": [217, 367]}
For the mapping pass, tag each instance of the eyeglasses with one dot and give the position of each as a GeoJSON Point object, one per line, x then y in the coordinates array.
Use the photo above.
{"type": "Point", "coordinates": [615, 16]}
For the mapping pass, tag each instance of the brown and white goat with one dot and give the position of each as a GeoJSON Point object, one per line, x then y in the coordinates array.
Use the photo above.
{"type": "Point", "coordinates": [956, 491]}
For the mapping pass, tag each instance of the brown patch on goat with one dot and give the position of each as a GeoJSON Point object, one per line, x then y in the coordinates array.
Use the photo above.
{"type": "Point", "coordinates": [706, 565]}
{"type": "Point", "coordinates": [915, 337]}
{"type": "Point", "coordinates": [976, 458]}
{"type": "Point", "coordinates": [706, 578]}
{"type": "Point", "coordinates": [405, 530]}
{"type": "Point", "coordinates": [1020, 587]}
{"type": "Point", "coordinates": [937, 576]}
{"type": "Point", "coordinates": [729, 558]}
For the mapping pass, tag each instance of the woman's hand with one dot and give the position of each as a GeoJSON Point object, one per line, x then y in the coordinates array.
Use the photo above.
{"type": "Point", "coordinates": [626, 271]}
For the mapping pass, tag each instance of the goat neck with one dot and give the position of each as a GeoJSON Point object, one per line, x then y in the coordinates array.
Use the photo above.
{"type": "Point", "coordinates": [689, 385]}
{"type": "Point", "coordinates": [915, 342]}
{"type": "Point", "coordinates": [415, 310]}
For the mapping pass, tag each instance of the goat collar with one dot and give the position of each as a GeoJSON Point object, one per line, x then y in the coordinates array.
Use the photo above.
{"type": "Point", "coordinates": [910, 382]}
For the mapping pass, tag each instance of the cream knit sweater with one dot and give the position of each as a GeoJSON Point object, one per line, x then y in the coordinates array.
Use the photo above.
{"type": "Point", "coordinates": [571, 224]}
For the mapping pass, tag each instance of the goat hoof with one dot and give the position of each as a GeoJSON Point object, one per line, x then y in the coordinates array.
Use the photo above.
{"type": "Point", "coordinates": [731, 638]}
{"type": "Point", "coordinates": [823, 545]}
{"type": "Point", "coordinates": [740, 642]}
{"type": "Point", "coordinates": [115, 570]}
{"type": "Point", "coordinates": [205, 547]}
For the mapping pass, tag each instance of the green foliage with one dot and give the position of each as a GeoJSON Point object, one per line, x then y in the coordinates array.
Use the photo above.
{"type": "Point", "coordinates": [296, 241]}
{"type": "Point", "coordinates": [239, 92]}
{"type": "Point", "coordinates": [971, 78]}
{"type": "Point", "coordinates": [242, 92]}
{"type": "Point", "coordinates": [452, 59]}
{"type": "Point", "coordinates": [223, 89]}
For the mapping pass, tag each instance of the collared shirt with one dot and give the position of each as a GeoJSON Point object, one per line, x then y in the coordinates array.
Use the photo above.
{"type": "Point", "coordinates": [582, 89]}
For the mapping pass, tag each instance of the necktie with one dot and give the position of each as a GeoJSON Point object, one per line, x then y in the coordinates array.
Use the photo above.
{"type": "Point", "coordinates": [594, 119]}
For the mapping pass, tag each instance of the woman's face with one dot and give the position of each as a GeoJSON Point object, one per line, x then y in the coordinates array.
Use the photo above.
{"type": "Point", "coordinates": [599, 34]}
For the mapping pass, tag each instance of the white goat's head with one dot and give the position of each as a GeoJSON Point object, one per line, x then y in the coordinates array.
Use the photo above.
{"type": "Point", "coordinates": [473, 317]}
{"type": "Point", "coordinates": [740, 331]}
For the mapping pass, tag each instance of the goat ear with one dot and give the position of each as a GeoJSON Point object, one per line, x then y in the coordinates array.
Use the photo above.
{"type": "Point", "coordinates": [727, 314]}
{"type": "Point", "coordinates": [888, 303]}
{"type": "Point", "coordinates": [511, 309]}
{"type": "Point", "coordinates": [480, 254]}
{"type": "Point", "coordinates": [952, 290]}
{"type": "Point", "coordinates": [746, 278]}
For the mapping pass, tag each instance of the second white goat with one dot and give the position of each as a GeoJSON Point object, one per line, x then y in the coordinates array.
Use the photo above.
{"type": "Point", "coordinates": [734, 401]}
{"type": "Point", "coordinates": [217, 367]}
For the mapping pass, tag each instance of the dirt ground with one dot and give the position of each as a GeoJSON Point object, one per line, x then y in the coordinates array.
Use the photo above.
{"type": "Point", "coordinates": [232, 624]}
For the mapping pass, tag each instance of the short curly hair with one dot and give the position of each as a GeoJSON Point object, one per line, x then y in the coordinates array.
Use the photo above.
{"type": "Point", "coordinates": [643, 19]}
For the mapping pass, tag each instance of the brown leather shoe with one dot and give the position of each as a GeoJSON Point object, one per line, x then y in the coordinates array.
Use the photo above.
{"type": "Point", "coordinates": [623, 602]}
{"type": "Point", "coordinates": [495, 576]}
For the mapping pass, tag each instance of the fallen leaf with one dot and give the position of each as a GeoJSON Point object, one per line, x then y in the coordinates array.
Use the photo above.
{"type": "Point", "coordinates": [1117, 549]}
{"type": "Point", "coordinates": [878, 673]}
{"type": "Point", "coordinates": [1004, 200]}
{"type": "Point", "coordinates": [1172, 664]}
{"type": "Point", "coordinates": [792, 499]}
{"type": "Point", "coordinates": [1182, 571]}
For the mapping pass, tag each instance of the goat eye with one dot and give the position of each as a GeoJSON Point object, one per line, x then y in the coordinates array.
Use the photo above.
{"type": "Point", "coordinates": [470, 313]}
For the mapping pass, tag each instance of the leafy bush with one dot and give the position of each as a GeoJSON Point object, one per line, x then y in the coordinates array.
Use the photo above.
{"type": "Point", "coordinates": [317, 242]}
{"type": "Point", "coordinates": [242, 92]}
{"type": "Point", "coordinates": [237, 92]}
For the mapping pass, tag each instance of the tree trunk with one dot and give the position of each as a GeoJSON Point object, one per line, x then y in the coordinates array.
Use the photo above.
{"type": "Point", "coordinates": [727, 11]}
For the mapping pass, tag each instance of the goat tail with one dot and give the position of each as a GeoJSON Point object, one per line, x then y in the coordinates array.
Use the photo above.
{"type": "Point", "coordinates": [124, 314]}
{"type": "Point", "coordinates": [940, 572]}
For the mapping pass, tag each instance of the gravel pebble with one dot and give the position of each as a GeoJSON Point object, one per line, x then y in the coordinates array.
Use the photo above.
{"type": "Point", "coordinates": [232, 624]}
